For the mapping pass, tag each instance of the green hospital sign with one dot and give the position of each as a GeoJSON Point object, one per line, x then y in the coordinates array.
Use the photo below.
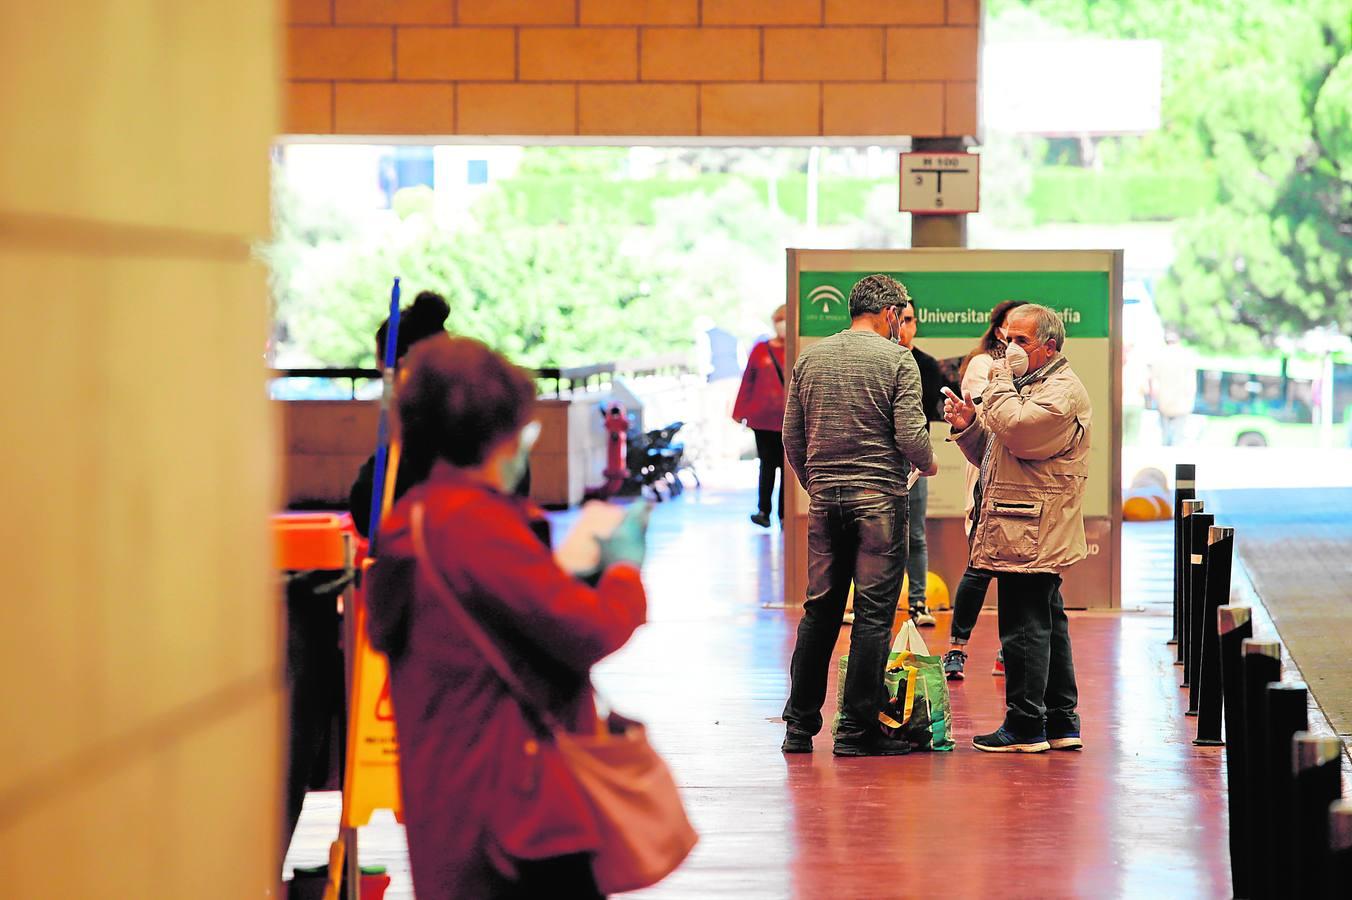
{"type": "Point", "coordinates": [958, 304]}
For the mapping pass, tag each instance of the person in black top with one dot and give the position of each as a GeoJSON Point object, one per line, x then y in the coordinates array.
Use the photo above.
{"type": "Point", "coordinates": [425, 318]}
{"type": "Point", "coordinates": [932, 381]}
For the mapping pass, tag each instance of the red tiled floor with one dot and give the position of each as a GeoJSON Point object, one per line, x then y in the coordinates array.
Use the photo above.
{"type": "Point", "coordinates": [1140, 812]}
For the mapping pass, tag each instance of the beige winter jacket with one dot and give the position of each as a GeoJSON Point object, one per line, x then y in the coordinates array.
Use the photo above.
{"type": "Point", "coordinates": [1031, 517]}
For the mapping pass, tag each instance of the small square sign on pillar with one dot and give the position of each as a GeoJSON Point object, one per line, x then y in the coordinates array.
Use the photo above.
{"type": "Point", "coordinates": [940, 183]}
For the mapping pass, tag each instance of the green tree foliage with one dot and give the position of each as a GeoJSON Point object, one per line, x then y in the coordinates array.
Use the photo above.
{"type": "Point", "coordinates": [1259, 93]}
{"type": "Point", "coordinates": [1275, 259]}
{"type": "Point", "coordinates": [590, 289]}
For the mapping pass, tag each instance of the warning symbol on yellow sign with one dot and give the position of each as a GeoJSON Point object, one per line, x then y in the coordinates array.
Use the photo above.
{"type": "Point", "coordinates": [371, 778]}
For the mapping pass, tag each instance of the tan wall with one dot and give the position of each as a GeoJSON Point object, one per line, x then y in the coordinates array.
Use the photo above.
{"type": "Point", "coordinates": [139, 656]}
{"type": "Point", "coordinates": [633, 67]}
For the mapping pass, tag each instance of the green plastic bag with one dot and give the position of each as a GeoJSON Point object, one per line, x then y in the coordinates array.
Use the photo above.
{"type": "Point", "coordinates": [918, 706]}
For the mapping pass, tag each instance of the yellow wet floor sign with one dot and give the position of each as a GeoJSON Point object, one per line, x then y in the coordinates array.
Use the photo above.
{"type": "Point", "coordinates": [371, 779]}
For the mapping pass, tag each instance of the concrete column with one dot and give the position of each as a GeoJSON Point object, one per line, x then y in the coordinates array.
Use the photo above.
{"type": "Point", "coordinates": [141, 652]}
{"type": "Point", "coordinates": [939, 230]}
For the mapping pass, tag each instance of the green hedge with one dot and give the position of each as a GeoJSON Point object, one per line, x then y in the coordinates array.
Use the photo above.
{"type": "Point", "coordinates": [1059, 194]}
{"type": "Point", "coordinates": [543, 200]}
{"type": "Point", "coordinates": [1065, 194]}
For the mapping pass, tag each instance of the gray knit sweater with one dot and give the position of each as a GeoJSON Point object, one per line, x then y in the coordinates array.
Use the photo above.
{"type": "Point", "coordinates": [852, 417]}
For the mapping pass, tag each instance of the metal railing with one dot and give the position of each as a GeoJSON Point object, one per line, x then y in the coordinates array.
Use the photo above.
{"type": "Point", "coordinates": [564, 380]}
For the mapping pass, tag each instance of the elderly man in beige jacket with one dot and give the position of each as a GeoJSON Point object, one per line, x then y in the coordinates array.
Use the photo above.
{"type": "Point", "coordinates": [1032, 447]}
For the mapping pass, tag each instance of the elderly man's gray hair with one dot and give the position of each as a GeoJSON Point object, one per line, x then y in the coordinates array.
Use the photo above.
{"type": "Point", "coordinates": [875, 293]}
{"type": "Point", "coordinates": [1048, 324]}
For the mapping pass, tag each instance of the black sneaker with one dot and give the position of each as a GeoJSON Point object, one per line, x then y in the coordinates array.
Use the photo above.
{"type": "Point", "coordinates": [881, 745]}
{"type": "Point", "coordinates": [761, 519]}
{"type": "Point", "coordinates": [954, 660]}
{"type": "Point", "coordinates": [921, 616]}
{"type": "Point", "coordinates": [796, 742]}
{"type": "Point", "coordinates": [1003, 741]}
{"type": "Point", "coordinates": [1065, 740]}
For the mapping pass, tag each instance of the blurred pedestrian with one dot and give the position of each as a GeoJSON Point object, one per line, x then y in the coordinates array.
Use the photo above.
{"type": "Point", "coordinates": [853, 429]}
{"type": "Point", "coordinates": [1031, 445]}
{"type": "Point", "coordinates": [760, 406]}
{"type": "Point", "coordinates": [424, 318]}
{"type": "Point", "coordinates": [478, 792]}
{"type": "Point", "coordinates": [1173, 387]}
{"type": "Point", "coordinates": [970, 595]}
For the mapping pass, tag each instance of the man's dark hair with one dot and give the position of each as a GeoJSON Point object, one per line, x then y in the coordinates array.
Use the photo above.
{"type": "Point", "coordinates": [423, 319]}
{"type": "Point", "coordinates": [875, 293]}
{"type": "Point", "coordinates": [458, 399]}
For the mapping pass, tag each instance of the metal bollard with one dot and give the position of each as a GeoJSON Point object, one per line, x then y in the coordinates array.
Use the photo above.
{"type": "Point", "coordinates": [1236, 626]}
{"type": "Point", "coordinates": [1340, 849]}
{"type": "Point", "coordinates": [1287, 713]}
{"type": "Point", "coordinates": [1200, 527]}
{"type": "Point", "coordinates": [1207, 686]}
{"type": "Point", "coordinates": [1185, 488]}
{"type": "Point", "coordinates": [1262, 665]}
{"type": "Point", "coordinates": [1316, 767]}
{"type": "Point", "coordinates": [1190, 507]}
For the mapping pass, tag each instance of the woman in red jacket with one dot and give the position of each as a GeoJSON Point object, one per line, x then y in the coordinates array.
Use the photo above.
{"type": "Point", "coordinates": [760, 406]}
{"type": "Point", "coordinates": [476, 788]}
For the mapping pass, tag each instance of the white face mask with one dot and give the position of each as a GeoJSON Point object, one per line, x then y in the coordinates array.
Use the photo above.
{"type": "Point", "coordinates": [781, 329]}
{"type": "Point", "coordinates": [1017, 358]}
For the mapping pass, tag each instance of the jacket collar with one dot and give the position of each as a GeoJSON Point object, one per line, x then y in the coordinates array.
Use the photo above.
{"type": "Point", "coordinates": [1043, 373]}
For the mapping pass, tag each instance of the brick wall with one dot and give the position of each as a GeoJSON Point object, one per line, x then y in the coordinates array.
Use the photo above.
{"type": "Point", "coordinates": [633, 67]}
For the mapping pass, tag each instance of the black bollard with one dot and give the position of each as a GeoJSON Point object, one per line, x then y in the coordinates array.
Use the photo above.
{"type": "Point", "coordinates": [1262, 665]}
{"type": "Point", "coordinates": [1190, 508]}
{"type": "Point", "coordinates": [1287, 712]}
{"type": "Point", "coordinates": [1236, 625]}
{"type": "Point", "coordinates": [1340, 849]}
{"type": "Point", "coordinates": [1200, 527]}
{"type": "Point", "coordinates": [1207, 686]}
{"type": "Point", "coordinates": [1316, 766]}
{"type": "Point", "coordinates": [1185, 488]}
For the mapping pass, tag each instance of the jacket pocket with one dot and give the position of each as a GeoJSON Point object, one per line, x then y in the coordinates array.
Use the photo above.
{"type": "Point", "coordinates": [1014, 529]}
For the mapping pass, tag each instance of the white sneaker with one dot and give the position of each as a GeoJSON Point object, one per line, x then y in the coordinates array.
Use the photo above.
{"type": "Point", "coordinates": [849, 617]}
{"type": "Point", "coordinates": [921, 616]}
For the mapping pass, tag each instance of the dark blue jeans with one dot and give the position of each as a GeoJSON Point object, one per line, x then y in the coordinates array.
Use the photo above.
{"type": "Point", "coordinates": [967, 602]}
{"type": "Point", "coordinates": [1040, 691]}
{"type": "Point", "coordinates": [859, 537]}
{"type": "Point", "coordinates": [917, 549]}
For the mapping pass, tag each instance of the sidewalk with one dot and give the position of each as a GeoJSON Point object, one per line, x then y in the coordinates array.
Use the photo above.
{"type": "Point", "coordinates": [1139, 812]}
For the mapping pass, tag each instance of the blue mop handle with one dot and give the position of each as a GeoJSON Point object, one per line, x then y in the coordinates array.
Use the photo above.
{"type": "Point", "coordinates": [383, 432]}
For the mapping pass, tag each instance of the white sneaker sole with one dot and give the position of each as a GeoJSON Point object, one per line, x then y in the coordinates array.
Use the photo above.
{"type": "Point", "coordinates": [1039, 747]}
{"type": "Point", "coordinates": [1066, 744]}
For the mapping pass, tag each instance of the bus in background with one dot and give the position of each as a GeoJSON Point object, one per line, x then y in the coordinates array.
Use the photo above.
{"type": "Point", "coordinates": [1271, 402]}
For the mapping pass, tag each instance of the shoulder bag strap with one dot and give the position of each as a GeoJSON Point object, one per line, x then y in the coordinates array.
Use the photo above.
{"type": "Point", "coordinates": [774, 359]}
{"type": "Point", "coordinates": [475, 632]}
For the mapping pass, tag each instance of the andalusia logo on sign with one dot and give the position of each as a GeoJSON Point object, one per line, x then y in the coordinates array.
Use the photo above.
{"type": "Point", "coordinates": [824, 306]}
{"type": "Point", "coordinates": [826, 296]}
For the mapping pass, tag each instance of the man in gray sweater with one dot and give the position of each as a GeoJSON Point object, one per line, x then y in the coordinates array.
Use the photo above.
{"type": "Point", "coordinates": [853, 429]}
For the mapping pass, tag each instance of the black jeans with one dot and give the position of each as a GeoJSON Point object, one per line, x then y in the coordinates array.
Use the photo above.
{"type": "Point", "coordinates": [860, 537]}
{"type": "Point", "coordinates": [1040, 693]}
{"type": "Point", "coordinates": [770, 449]}
{"type": "Point", "coordinates": [967, 603]}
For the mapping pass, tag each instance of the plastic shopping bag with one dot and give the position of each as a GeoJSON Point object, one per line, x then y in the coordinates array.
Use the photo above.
{"type": "Point", "coordinates": [917, 706]}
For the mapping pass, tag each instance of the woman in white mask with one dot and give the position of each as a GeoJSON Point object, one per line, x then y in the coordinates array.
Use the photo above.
{"type": "Point", "coordinates": [476, 789]}
{"type": "Point", "coordinates": [970, 596]}
{"type": "Point", "coordinates": [760, 406]}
